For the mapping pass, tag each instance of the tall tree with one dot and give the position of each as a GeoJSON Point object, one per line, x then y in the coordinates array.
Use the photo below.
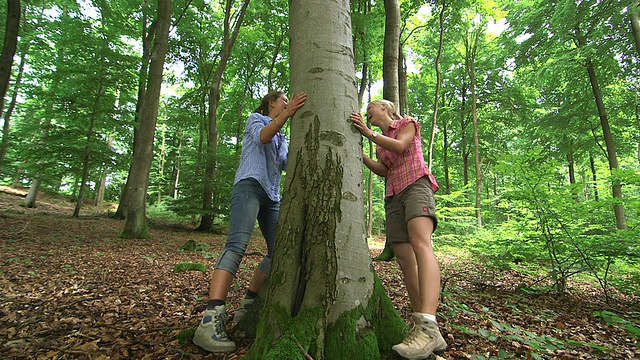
{"type": "Point", "coordinates": [635, 25]}
{"type": "Point", "coordinates": [9, 47]}
{"type": "Point", "coordinates": [390, 73]}
{"type": "Point", "coordinates": [555, 35]}
{"type": "Point", "coordinates": [231, 29]}
{"type": "Point", "coordinates": [147, 37]}
{"type": "Point", "coordinates": [138, 183]}
{"type": "Point", "coordinates": [472, 48]}
{"type": "Point", "coordinates": [322, 299]}
{"type": "Point", "coordinates": [436, 97]}
{"type": "Point", "coordinates": [12, 28]}
{"type": "Point", "coordinates": [390, 89]}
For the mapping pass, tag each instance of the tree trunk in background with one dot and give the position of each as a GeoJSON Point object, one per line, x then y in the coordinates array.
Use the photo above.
{"type": "Point", "coordinates": [635, 26]}
{"type": "Point", "coordinates": [365, 86]}
{"type": "Point", "coordinates": [445, 157]}
{"type": "Point", "coordinates": [6, 64]}
{"type": "Point", "coordinates": [322, 283]}
{"type": "Point", "coordinates": [12, 105]}
{"type": "Point", "coordinates": [474, 115]}
{"type": "Point", "coordinates": [138, 181]}
{"type": "Point", "coordinates": [436, 97]}
{"type": "Point", "coordinates": [464, 143]}
{"type": "Point", "coordinates": [618, 209]}
{"type": "Point", "coordinates": [594, 177]}
{"type": "Point", "coordinates": [163, 160]}
{"type": "Point", "coordinates": [101, 185]}
{"type": "Point", "coordinates": [390, 73]}
{"type": "Point", "coordinates": [390, 89]}
{"type": "Point", "coordinates": [177, 167]}
{"type": "Point", "coordinates": [30, 201]}
{"type": "Point", "coordinates": [211, 153]}
{"type": "Point", "coordinates": [87, 152]}
{"type": "Point", "coordinates": [12, 28]}
{"type": "Point", "coordinates": [148, 33]}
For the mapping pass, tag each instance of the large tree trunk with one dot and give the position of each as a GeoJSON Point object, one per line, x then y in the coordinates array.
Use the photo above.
{"type": "Point", "coordinates": [230, 36]}
{"type": "Point", "coordinates": [322, 300]}
{"type": "Point", "coordinates": [148, 33]}
{"type": "Point", "coordinates": [136, 225]}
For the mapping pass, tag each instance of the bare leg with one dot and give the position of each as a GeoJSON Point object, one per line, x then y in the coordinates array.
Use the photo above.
{"type": "Point", "coordinates": [420, 229]}
{"type": "Point", "coordinates": [407, 261]}
{"type": "Point", "coordinates": [257, 280]}
{"type": "Point", "coordinates": [220, 284]}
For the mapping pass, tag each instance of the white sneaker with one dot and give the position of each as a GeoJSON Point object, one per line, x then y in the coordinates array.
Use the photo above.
{"type": "Point", "coordinates": [211, 334]}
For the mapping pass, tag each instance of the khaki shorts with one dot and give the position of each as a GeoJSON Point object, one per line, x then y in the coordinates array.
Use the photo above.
{"type": "Point", "coordinates": [416, 200]}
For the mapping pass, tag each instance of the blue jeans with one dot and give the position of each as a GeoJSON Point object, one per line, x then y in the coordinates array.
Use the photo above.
{"type": "Point", "coordinates": [249, 202]}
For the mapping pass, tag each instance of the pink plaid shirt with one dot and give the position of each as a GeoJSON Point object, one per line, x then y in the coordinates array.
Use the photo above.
{"type": "Point", "coordinates": [407, 167]}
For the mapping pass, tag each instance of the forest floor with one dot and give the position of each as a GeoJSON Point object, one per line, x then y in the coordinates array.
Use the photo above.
{"type": "Point", "coordinates": [71, 288]}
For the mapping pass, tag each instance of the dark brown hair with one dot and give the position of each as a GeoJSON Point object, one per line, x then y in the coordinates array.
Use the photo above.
{"type": "Point", "coordinates": [264, 103]}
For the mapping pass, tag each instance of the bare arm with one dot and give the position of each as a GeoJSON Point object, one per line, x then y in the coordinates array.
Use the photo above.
{"type": "Point", "coordinates": [402, 143]}
{"type": "Point", "coordinates": [377, 167]}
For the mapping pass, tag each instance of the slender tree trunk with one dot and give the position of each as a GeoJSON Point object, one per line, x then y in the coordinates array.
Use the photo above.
{"type": "Point", "coordinates": [464, 146]}
{"type": "Point", "coordinates": [12, 28]}
{"type": "Point", "coordinates": [403, 86]}
{"type": "Point", "coordinates": [635, 25]}
{"type": "Point", "coordinates": [177, 168]}
{"type": "Point", "coordinates": [163, 159]}
{"type": "Point", "coordinates": [390, 71]}
{"type": "Point", "coordinates": [278, 42]}
{"type": "Point", "coordinates": [390, 89]}
{"type": "Point", "coordinates": [30, 201]}
{"type": "Point", "coordinates": [87, 152]}
{"type": "Point", "coordinates": [102, 183]}
{"type": "Point", "coordinates": [322, 283]}
{"type": "Point", "coordinates": [594, 178]}
{"type": "Point", "coordinates": [445, 156]}
{"type": "Point", "coordinates": [637, 113]}
{"type": "Point", "coordinates": [436, 97]}
{"type": "Point", "coordinates": [136, 225]}
{"type": "Point", "coordinates": [230, 36]}
{"type": "Point", "coordinates": [572, 171]}
{"type": "Point", "coordinates": [6, 64]}
{"type": "Point", "coordinates": [474, 116]}
{"type": "Point", "coordinates": [618, 209]}
{"type": "Point", "coordinates": [12, 105]}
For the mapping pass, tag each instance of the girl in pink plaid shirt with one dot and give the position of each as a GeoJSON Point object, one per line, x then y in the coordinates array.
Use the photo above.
{"type": "Point", "coordinates": [410, 219]}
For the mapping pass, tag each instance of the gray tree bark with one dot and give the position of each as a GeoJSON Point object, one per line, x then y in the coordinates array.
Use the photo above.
{"type": "Point", "coordinates": [138, 181]}
{"type": "Point", "coordinates": [230, 36]}
{"type": "Point", "coordinates": [322, 284]}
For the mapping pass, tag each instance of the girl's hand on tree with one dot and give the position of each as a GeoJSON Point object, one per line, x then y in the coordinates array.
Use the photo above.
{"type": "Point", "coordinates": [296, 102]}
{"type": "Point", "coordinates": [358, 122]}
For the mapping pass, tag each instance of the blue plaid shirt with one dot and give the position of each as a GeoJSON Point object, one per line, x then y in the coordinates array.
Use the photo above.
{"type": "Point", "coordinates": [263, 162]}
